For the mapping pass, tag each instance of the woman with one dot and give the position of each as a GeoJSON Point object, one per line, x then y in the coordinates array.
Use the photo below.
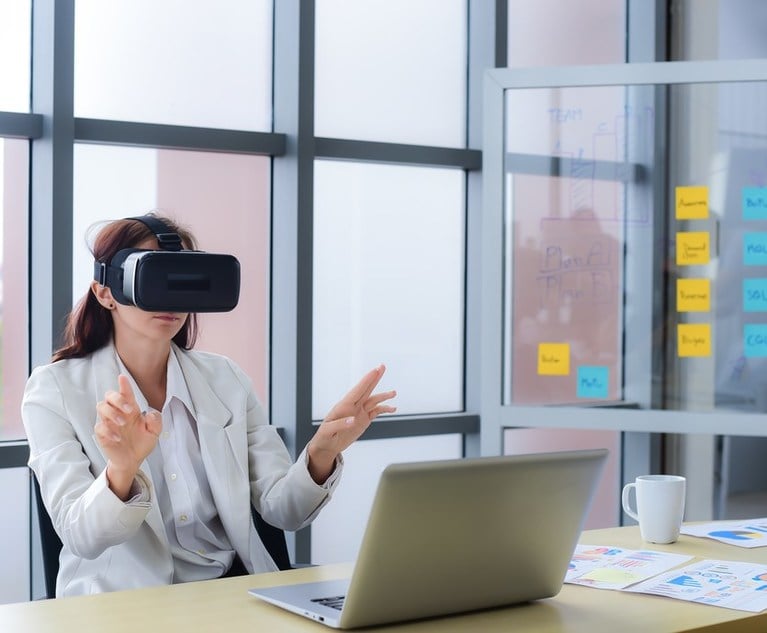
{"type": "Point", "coordinates": [149, 455]}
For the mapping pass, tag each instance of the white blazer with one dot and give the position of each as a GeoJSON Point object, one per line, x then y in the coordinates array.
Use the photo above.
{"type": "Point", "coordinates": [110, 545]}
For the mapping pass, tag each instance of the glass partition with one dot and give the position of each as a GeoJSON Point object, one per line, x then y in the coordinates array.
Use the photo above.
{"type": "Point", "coordinates": [633, 212]}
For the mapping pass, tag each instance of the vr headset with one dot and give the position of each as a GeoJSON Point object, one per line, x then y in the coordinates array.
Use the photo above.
{"type": "Point", "coordinates": [170, 279]}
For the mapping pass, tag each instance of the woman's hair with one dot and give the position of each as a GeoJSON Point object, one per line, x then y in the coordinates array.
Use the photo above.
{"type": "Point", "coordinates": [89, 326]}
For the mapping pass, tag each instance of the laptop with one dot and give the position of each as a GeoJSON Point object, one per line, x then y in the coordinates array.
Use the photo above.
{"type": "Point", "coordinates": [451, 536]}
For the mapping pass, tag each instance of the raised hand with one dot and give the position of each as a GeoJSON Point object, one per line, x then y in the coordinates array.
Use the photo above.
{"type": "Point", "coordinates": [126, 435]}
{"type": "Point", "coordinates": [346, 421]}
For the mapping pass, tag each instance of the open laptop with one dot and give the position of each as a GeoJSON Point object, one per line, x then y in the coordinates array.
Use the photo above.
{"type": "Point", "coordinates": [451, 536]}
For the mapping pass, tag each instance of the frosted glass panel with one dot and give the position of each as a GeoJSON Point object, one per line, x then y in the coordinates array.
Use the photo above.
{"type": "Point", "coordinates": [605, 506]}
{"type": "Point", "coordinates": [556, 33]}
{"type": "Point", "coordinates": [337, 532]}
{"type": "Point", "coordinates": [389, 283]}
{"type": "Point", "coordinates": [14, 322]}
{"type": "Point", "coordinates": [392, 70]}
{"type": "Point", "coordinates": [223, 198]}
{"type": "Point", "coordinates": [195, 62]}
{"type": "Point", "coordinates": [14, 535]}
{"type": "Point", "coordinates": [15, 35]}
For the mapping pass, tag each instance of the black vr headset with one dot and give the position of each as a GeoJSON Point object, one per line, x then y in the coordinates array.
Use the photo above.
{"type": "Point", "coordinates": [171, 279]}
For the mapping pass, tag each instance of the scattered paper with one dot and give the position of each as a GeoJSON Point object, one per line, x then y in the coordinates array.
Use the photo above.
{"type": "Point", "coordinates": [743, 533]}
{"type": "Point", "coordinates": [605, 567]}
{"type": "Point", "coordinates": [734, 585]}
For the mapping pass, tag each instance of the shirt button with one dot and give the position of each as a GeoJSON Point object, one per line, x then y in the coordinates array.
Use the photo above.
{"type": "Point", "coordinates": [201, 552]}
{"type": "Point", "coordinates": [183, 518]}
{"type": "Point", "coordinates": [173, 476]}
{"type": "Point", "coordinates": [165, 435]}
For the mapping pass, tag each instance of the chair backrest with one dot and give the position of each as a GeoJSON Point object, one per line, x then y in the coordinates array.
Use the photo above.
{"type": "Point", "coordinates": [274, 540]}
{"type": "Point", "coordinates": [49, 541]}
{"type": "Point", "coordinates": [272, 537]}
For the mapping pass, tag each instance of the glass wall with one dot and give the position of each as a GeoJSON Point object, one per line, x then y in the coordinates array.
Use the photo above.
{"type": "Point", "coordinates": [15, 36]}
{"type": "Point", "coordinates": [223, 198]}
{"type": "Point", "coordinates": [185, 63]}
{"type": "Point", "coordinates": [564, 236]}
{"type": "Point", "coordinates": [14, 321]}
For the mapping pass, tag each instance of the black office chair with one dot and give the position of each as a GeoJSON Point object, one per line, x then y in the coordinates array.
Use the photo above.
{"type": "Point", "coordinates": [49, 541]}
{"type": "Point", "coordinates": [272, 537]}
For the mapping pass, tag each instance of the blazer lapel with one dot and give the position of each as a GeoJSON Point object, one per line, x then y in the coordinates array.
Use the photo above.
{"type": "Point", "coordinates": [223, 445]}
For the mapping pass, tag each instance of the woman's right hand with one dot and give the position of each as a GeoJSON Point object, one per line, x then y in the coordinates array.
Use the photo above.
{"type": "Point", "coordinates": [126, 435]}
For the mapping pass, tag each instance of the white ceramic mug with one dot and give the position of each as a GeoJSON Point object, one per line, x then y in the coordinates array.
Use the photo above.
{"type": "Point", "coordinates": [659, 506]}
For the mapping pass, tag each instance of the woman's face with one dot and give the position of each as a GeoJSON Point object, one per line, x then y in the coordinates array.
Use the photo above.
{"type": "Point", "coordinates": [132, 324]}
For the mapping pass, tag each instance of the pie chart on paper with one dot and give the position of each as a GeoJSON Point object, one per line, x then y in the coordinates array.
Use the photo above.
{"type": "Point", "coordinates": [738, 535]}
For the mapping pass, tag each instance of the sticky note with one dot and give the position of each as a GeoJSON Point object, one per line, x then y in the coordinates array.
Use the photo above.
{"type": "Point", "coordinates": [693, 295]}
{"type": "Point", "coordinates": [694, 339]}
{"type": "Point", "coordinates": [755, 249]}
{"type": "Point", "coordinates": [691, 203]}
{"type": "Point", "coordinates": [554, 359]}
{"type": "Point", "coordinates": [755, 340]}
{"type": "Point", "coordinates": [593, 381]}
{"type": "Point", "coordinates": [754, 203]}
{"type": "Point", "coordinates": [755, 295]}
{"type": "Point", "coordinates": [692, 248]}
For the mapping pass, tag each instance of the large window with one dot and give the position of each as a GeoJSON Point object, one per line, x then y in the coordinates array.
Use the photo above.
{"type": "Point", "coordinates": [222, 198]}
{"type": "Point", "coordinates": [185, 63]}
{"type": "Point", "coordinates": [15, 36]}
{"type": "Point", "coordinates": [389, 282]}
{"type": "Point", "coordinates": [392, 71]}
{"type": "Point", "coordinates": [14, 192]}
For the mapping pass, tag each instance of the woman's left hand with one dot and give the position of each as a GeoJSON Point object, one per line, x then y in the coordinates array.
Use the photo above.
{"type": "Point", "coordinates": [345, 422]}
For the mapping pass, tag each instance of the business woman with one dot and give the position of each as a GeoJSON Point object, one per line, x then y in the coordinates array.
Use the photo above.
{"type": "Point", "coordinates": [149, 454]}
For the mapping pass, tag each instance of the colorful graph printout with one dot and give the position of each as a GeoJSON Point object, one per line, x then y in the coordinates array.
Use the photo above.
{"type": "Point", "coordinates": [691, 203]}
{"type": "Point", "coordinates": [604, 567]}
{"type": "Point", "coordinates": [744, 533]}
{"type": "Point", "coordinates": [730, 584]}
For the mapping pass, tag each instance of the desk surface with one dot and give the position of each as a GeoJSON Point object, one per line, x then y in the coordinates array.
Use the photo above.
{"type": "Point", "coordinates": [224, 605]}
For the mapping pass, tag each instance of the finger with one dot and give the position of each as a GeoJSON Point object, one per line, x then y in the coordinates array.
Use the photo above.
{"type": "Point", "coordinates": [334, 427]}
{"type": "Point", "coordinates": [153, 421]}
{"type": "Point", "coordinates": [109, 410]}
{"type": "Point", "coordinates": [106, 433]}
{"type": "Point", "coordinates": [364, 388]}
{"type": "Point", "coordinates": [126, 391]}
{"type": "Point", "coordinates": [374, 413]}
{"type": "Point", "coordinates": [378, 398]}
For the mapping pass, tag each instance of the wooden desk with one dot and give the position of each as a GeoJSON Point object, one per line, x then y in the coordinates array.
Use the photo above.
{"type": "Point", "coordinates": [224, 605]}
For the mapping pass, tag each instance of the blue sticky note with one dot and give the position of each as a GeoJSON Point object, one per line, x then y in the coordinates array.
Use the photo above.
{"type": "Point", "coordinates": [755, 340]}
{"type": "Point", "coordinates": [754, 203]}
{"type": "Point", "coordinates": [755, 295]}
{"type": "Point", "coordinates": [755, 249]}
{"type": "Point", "coordinates": [593, 381]}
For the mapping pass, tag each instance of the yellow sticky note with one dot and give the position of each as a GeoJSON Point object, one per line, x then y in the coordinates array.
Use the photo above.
{"type": "Point", "coordinates": [693, 295]}
{"type": "Point", "coordinates": [554, 359]}
{"type": "Point", "coordinates": [692, 248]}
{"type": "Point", "coordinates": [694, 339]}
{"type": "Point", "coordinates": [691, 203]}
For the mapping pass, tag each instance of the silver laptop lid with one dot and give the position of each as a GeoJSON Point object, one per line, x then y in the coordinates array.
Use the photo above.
{"type": "Point", "coordinates": [459, 535]}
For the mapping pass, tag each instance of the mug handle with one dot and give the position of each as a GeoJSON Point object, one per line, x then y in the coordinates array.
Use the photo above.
{"type": "Point", "coordinates": [625, 501]}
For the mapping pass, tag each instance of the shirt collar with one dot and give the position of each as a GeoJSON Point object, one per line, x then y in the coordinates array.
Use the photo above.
{"type": "Point", "coordinates": [175, 384]}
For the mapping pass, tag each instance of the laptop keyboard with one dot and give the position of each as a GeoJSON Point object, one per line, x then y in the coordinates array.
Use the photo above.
{"type": "Point", "coordinates": [334, 602]}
